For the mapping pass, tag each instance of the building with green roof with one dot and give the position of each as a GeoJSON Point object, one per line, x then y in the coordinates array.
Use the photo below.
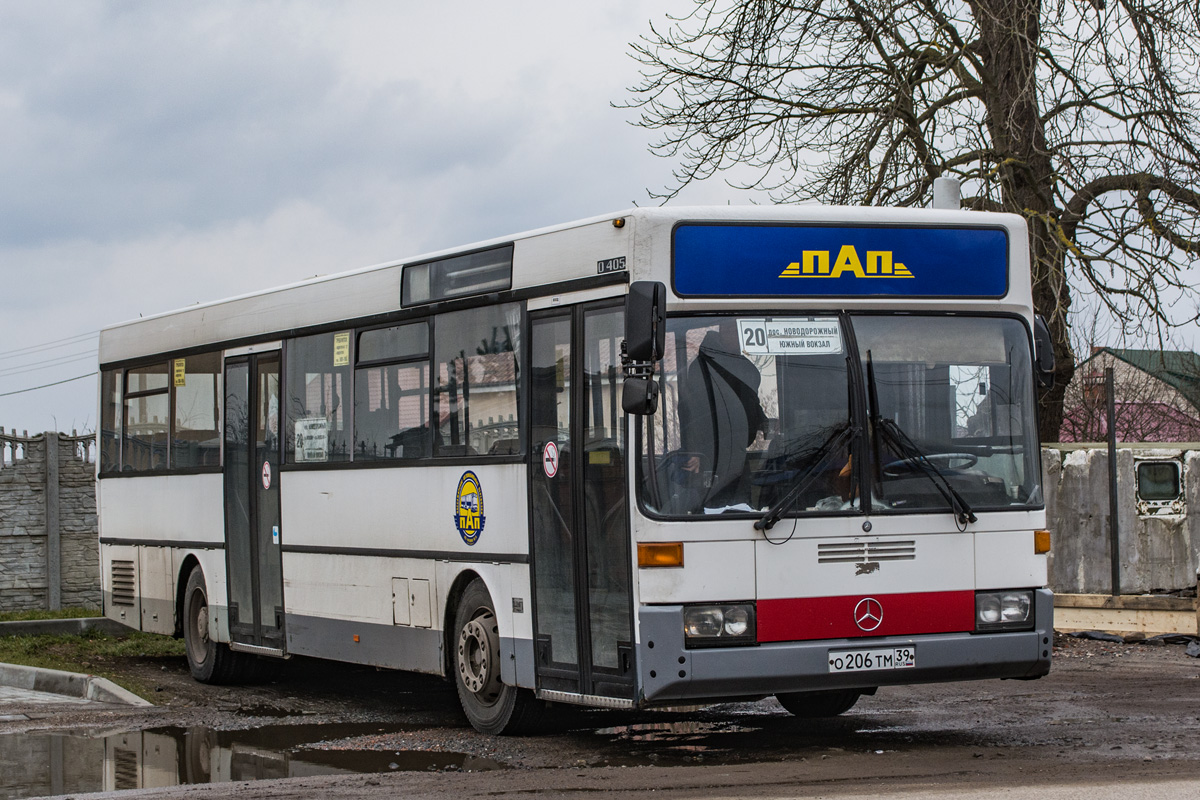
{"type": "Point", "coordinates": [1157, 396]}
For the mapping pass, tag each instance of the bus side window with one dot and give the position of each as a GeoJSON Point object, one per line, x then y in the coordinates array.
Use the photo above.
{"type": "Point", "coordinates": [318, 424]}
{"type": "Point", "coordinates": [111, 383]}
{"type": "Point", "coordinates": [391, 393]}
{"type": "Point", "coordinates": [196, 386]}
{"type": "Point", "coordinates": [147, 412]}
{"type": "Point", "coordinates": [475, 354]}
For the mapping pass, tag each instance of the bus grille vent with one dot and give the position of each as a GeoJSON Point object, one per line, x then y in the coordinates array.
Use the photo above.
{"type": "Point", "coordinates": [123, 582]}
{"type": "Point", "coordinates": [862, 552]}
{"type": "Point", "coordinates": [125, 769]}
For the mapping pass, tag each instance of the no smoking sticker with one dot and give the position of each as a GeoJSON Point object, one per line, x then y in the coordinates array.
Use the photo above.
{"type": "Point", "coordinates": [550, 459]}
{"type": "Point", "coordinates": [266, 474]}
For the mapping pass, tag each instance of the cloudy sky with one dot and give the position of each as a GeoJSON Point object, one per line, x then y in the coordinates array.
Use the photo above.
{"type": "Point", "coordinates": [156, 154]}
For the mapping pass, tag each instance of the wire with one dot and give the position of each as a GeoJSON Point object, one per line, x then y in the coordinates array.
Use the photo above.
{"type": "Point", "coordinates": [47, 385]}
{"type": "Point", "coordinates": [58, 361]}
{"type": "Point", "coordinates": [37, 348]}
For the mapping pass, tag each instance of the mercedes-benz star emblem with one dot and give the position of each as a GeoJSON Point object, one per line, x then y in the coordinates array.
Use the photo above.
{"type": "Point", "coordinates": [868, 614]}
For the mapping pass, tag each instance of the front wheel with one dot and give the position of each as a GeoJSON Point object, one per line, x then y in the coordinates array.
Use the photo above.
{"type": "Point", "coordinates": [491, 706]}
{"type": "Point", "coordinates": [813, 705]}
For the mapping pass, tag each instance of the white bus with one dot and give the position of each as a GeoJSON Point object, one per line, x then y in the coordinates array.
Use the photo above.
{"type": "Point", "coordinates": [667, 456]}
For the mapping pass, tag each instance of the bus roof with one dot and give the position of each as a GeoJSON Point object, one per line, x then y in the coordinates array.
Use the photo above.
{"type": "Point", "coordinates": [542, 257]}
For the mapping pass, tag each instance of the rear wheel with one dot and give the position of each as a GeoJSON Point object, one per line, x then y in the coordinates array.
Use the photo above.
{"type": "Point", "coordinates": [490, 705]}
{"type": "Point", "coordinates": [209, 660]}
{"type": "Point", "coordinates": [197, 750]}
{"type": "Point", "coordinates": [812, 705]}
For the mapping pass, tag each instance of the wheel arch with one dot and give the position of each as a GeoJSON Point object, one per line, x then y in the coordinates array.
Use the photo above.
{"type": "Point", "coordinates": [457, 588]}
{"type": "Point", "coordinates": [190, 562]}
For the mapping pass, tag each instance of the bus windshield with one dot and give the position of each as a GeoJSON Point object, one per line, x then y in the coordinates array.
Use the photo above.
{"type": "Point", "coordinates": [785, 414]}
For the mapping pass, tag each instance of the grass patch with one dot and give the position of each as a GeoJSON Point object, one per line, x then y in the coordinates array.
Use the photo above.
{"type": "Point", "coordinates": [92, 653]}
{"type": "Point", "coordinates": [62, 613]}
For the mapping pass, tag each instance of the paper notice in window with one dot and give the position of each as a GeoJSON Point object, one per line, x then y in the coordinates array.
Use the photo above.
{"type": "Point", "coordinates": [341, 349]}
{"type": "Point", "coordinates": [312, 440]}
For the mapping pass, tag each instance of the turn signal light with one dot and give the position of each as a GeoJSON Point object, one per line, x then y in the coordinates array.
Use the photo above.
{"type": "Point", "coordinates": [660, 554]}
{"type": "Point", "coordinates": [1041, 542]}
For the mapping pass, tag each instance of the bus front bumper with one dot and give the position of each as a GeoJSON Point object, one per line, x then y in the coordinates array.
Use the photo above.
{"type": "Point", "coordinates": [671, 672]}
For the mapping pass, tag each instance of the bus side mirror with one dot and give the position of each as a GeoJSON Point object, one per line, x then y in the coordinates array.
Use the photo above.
{"type": "Point", "coordinates": [645, 321]}
{"type": "Point", "coordinates": [1043, 352]}
{"type": "Point", "coordinates": [639, 396]}
{"type": "Point", "coordinates": [645, 341]}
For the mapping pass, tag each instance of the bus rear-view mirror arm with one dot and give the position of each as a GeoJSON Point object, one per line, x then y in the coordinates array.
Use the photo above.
{"type": "Point", "coordinates": [645, 340]}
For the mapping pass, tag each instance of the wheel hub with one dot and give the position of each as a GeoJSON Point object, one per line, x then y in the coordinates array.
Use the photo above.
{"type": "Point", "coordinates": [478, 651]}
{"type": "Point", "coordinates": [197, 633]}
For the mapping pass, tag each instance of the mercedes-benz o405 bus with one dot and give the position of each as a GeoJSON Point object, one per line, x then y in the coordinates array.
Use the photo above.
{"type": "Point", "coordinates": [669, 456]}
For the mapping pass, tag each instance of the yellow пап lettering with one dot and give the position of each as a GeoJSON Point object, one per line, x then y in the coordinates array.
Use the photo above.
{"type": "Point", "coordinates": [815, 264]}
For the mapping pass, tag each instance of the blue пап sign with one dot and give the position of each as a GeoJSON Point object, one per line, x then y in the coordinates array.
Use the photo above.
{"type": "Point", "coordinates": [839, 261]}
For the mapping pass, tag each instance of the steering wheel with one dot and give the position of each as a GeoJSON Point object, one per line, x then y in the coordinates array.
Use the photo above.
{"type": "Point", "coordinates": [907, 466]}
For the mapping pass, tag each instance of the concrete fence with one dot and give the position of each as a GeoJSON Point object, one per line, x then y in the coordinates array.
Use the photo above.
{"type": "Point", "coordinates": [49, 555]}
{"type": "Point", "coordinates": [1158, 518]}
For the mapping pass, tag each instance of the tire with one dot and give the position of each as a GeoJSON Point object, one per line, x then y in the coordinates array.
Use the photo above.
{"type": "Point", "coordinates": [490, 705]}
{"type": "Point", "coordinates": [196, 759]}
{"type": "Point", "coordinates": [208, 660]}
{"type": "Point", "coordinates": [814, 705]}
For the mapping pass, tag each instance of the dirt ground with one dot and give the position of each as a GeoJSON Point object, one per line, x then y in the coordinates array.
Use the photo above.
{"type": "Point", "coordinates": [1108, 712]}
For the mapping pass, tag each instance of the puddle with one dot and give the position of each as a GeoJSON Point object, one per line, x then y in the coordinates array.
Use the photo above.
{"type": "Point", "coordinates": [736, 740]}
{"type": "Point", "coordinates": [669, 732]}
{"type": "Point", "coordinates": [676, 742]}
{"type": "Point", "coordinates": [35, 764]}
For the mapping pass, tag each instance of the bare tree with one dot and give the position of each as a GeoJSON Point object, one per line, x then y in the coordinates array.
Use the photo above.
{"type": "Point", "coordinates": [1080, 115]}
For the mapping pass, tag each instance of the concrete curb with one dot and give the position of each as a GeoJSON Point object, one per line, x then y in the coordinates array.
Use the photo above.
{"type": "Point", "coordinates": [54, 681]}
{"type": "Point", "coordinates": [69, 684]}
{"type": "Point", "coordinates": [62, 627]}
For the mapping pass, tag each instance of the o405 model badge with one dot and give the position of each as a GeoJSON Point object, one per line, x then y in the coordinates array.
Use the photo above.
{"type": "Point", "coordinates": [868, 614]}
{"type": "Point", "coordinates": [468, 508]}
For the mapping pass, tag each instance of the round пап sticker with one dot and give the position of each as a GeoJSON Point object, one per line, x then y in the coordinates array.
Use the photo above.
{"type": "Point", "coordinates": [468, 508]}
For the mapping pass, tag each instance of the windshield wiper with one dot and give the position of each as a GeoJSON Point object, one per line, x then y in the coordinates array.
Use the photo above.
{"type": "Point", "coordinates": [887, 430]}
{"type": "Point", "coordinates": [839, 436]}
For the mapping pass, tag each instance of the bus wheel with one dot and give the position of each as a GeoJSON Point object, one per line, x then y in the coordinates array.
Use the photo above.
{"type": "Point", "coordinates": [208, 660]}
{"type": "Point", "coordinates": [490, 705]}
{"type": "Point", "coordinates": [811, 705]}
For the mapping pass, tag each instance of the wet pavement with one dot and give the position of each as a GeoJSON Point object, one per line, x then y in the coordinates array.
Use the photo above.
{"type": "Point", "coordinates": [38, 764]}
{"type": "Point", "coordinates": [1108, 712]}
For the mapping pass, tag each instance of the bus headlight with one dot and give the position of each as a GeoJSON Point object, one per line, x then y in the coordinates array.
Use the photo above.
{"type": "Point", "coordinates": [719, 625]}
{"type": "Point", "coordinates": [1009, 610]}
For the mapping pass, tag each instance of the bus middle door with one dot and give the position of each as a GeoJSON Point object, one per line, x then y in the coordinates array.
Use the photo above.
{"type": "Point", "coordinates": [252, 517]}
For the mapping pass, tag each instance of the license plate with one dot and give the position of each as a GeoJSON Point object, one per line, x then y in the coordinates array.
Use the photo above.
{"type": "Point", "coordinates": [875, 658]}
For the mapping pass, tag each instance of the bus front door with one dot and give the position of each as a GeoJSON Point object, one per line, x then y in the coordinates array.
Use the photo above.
{"type": "Point", "coordinates": [252, 519]}
{"type": "Point", "coordinates": [583, 616]}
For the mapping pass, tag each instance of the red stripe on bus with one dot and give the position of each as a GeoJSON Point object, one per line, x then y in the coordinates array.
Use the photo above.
{"type": "Point", "coordinates": [796, 619]}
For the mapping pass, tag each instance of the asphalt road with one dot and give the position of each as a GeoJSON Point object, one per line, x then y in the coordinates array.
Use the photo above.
{"type": "Point", "coordinates": [1111, 720]}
